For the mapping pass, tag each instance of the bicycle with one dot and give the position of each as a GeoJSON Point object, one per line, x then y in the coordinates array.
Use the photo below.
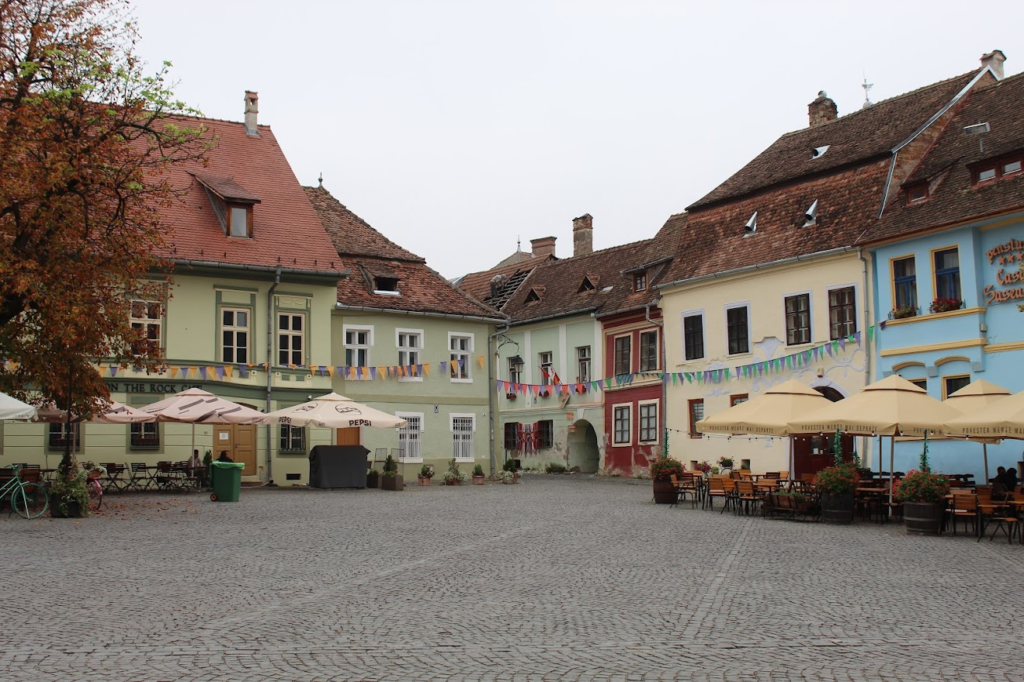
{"type": "Point", "coordinates": [92, 484]}
{"type": "Point", "coordinates": [29, 498]}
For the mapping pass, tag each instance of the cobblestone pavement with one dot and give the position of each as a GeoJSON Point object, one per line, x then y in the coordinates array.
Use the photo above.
{"type": "Point", "coordinates": [559, 578]}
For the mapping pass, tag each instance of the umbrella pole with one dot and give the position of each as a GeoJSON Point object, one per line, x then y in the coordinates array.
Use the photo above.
{"type": "Point", "coordinates": [892, 447]}
{"type": "Point", "coordinates": [984, 452]}
{"type": "Point", "coordinates": [879, 456]}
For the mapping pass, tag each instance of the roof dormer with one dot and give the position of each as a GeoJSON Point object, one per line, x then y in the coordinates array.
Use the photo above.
{"type": "Point", "coordinates": [383, 280]}
{"type": "Point", "coordinates": [232, 203]}
{"type": "Point", "coordinates": [590, 283]}
{"type": "Point", "coordinates": [535, 295]}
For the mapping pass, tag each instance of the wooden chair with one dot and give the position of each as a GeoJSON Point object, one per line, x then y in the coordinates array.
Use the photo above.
{"type": "Point", "coordinates": [112, 480]}
{"type": "Point", "coordinates": [140, 478]}
{"type": "Point", "coordinates": [1005, 519]}
{"type": "Point", "coordinates": [746, 499]}
{"type": "Point", "coordinates": [688, 485]}
{"type": "Point", "coordinates": [807, 479]}
{"type": "Point", "coordinates": [716, 489]}
{"type": "Point", "coordinates": [965, 507]}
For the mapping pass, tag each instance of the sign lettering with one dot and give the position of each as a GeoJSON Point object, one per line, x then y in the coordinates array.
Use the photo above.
{"type": "Point", "coordinates": [1006, 254]}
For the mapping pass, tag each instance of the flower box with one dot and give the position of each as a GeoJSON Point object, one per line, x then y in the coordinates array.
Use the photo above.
{"type": "Point", "coordinates": [943, 305]}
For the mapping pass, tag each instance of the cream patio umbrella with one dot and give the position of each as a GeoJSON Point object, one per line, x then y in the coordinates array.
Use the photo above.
{"type": "Point", "coordinates": [1004, 419]}
{"type": "Point", "coordinates": [332, 411]}
{"type": "Point", "coordinates": [890, 407]}
{"type": "Point", "coordinates": [112, 413]}
{"type": "Point", "coordinates": [975, 396]}
{"type": "Point", "coordinates": [11, 408]}
{"type": "Point", "coordinates": [196, 406]}
{"type": "Point", "coordinates": [768, 414]}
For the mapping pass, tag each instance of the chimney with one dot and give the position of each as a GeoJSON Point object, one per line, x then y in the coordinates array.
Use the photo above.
{"type": "Point", "coordinates": [994, 60]}
{"type": "Point", "coordinates": [822, 110]}
{"type": "Point", "coordinates": [543, 246]}
{"type": "Point", "coordinates": [583, 235]}
{"type": "Point", "coordinates": [252, 101]}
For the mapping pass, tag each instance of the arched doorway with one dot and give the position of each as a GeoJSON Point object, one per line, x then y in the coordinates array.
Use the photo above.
{"type": "Point", "coordinates": [582, 444]}
{"type": "Point", "coordinates": [814, 452]}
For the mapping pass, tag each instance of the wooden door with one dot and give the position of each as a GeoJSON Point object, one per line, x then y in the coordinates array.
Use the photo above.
{"type": "Point", "coordinates": [349, 436]}
{"type": "Point", "coordinates": [240, 443]}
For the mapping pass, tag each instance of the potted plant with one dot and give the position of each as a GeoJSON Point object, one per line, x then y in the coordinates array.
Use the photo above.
{"type": "Point", "coordinates": [453, 476]}
{"type": "Point", "coordinates": [705, 468]}
{"type": "Point", "coordinates": [902, 312]}
{"type": "Point", "coordinates": [923, 495]}
{"type": "Point", "coordinates": [391, 479]}
{"type": "Point", "coordinates": [426, 473]}
{"type": "Point", "coordinates": [725, 463]}
{"type": "Point", "coordinates": [478, 475]}
{"type": "Point", "coordinates": [372, 478]}
{"type": "Point", "coordinates": [662, 470]}
{"type": "Point", "coordinates": [69, 496]}
{"type": "Point", "coordinates": [510, 396]}
{"type": "Point", "coordinates": [508, 477]}
{"type": "Point", "coordinates": [942, 305]}
{"type": "Point", "coordinates": [837, 485]}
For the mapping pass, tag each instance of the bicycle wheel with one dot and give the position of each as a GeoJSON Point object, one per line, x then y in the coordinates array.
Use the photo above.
{"type": "Point", "coordinates": [95, 494]}
{"type": "Point", "coordinates": [30, 500]}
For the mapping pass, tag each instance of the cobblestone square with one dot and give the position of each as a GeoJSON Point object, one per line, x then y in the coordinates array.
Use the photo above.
{"type": "Point", "coordinates": [559, 578]}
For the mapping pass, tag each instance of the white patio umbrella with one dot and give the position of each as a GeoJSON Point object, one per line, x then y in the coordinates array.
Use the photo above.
{"type": "Point", "coordinates": [332, 411]}
{"type": "Point", "coordinates": [975, 396]}
{"type": "Point", "coordinates": [196, 406]}
{"type": "Point", "coordinates": [113, 413]}
{"type": "Point", "coordinates": [11, 408]}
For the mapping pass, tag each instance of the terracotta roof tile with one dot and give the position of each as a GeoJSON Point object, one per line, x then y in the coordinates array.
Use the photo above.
{"type": "Point", "coordinates": [947, 167]}
{"type": "Point", "coordinates": [511, 276]}
{"type": "Point", "coordinates": [368, 254]}
{"type": "Point", "coordinates": [286, 230]}
{"type": "Point", "coordinates": [226, 188]}
{"type": "Point", "coordinates": [856, 137]}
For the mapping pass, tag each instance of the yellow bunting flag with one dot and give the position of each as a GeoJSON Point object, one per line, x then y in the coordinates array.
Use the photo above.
{"type": "Point", "coordinates": [426, 369]}
{"type": "Point", "coordinates": [174, 372]}
{"type": "Point", "coordinates": [330, 371]}
{"type": "Point", "coordinates": [228, 369]}
{"type": "Point", "coordinates": [365, 372]}
{"type": "Point", "coordinates": [480, 361]}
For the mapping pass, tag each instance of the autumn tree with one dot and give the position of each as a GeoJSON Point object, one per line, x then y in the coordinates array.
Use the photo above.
{"type": "Point", "coordinates": [85, 136]}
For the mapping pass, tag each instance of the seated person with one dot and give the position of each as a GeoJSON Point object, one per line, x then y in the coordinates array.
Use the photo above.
{"type": "Point", "coordinates": [1000, 476]}
{"type": "Point", "coordinates": [224, 457]}
{"type": "Point", "coordinates": [194, 462]}
{"type": "Point", "coordinates": [999, 490]}
{"type": "Point", "coordinates": [1010, 479]}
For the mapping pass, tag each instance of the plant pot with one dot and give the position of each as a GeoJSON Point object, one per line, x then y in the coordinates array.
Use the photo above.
{"type": "Point", "coordinates": [373, 480]}
{"type": "Point", "coordinates": [454, 481]}
{"type": "Point", "coordinates": [391, 483]}
{"type": "Point", "coordinates": [838, 509]}
{"type": "Point", "coordinates": [478, 480]}
{"type": "Point", "coordinates": [74, 510]}
{"type": "Point", "coordinates": [922, 518]}
{"type": "Point", "coordinates": [423, 480]}
{"type": "Point", "coordinates": [664, 492]}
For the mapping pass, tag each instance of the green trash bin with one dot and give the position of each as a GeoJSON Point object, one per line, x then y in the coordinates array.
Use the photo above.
{"type": "Point", "coordinates": [226, 480]}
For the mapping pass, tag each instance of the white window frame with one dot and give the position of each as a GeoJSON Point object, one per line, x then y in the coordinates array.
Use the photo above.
{"type": "Point", "coordinates": [546, 380]}
{"type": "Point", "coordinates": [455, 353]}
{"type": "Point", "coordinates": [615, 408]}
{"type": "Point", "coordinates": [301, 335]}
{"type": "Point", "coordinates": [810, 316]}
{"type": "Point", "coordinates": [355, 328]}
{"type": "Point", "coordinates": [451, 426]}
{"type": "Point", "coordinates": [725, 312]}
{"type": "Point", "coordinates": [657, 420]}
{"type": "Point", "coordinates": [147, 322]}
{"type": "Point", "coordinates": [235, 329]}
{"type": "Point", "coordinates": [418, 457]}
{"type": "Point", "coordinates": [615, 354]}
{"type": "Point", "coordinates": [407, 352]}
{"type": "Point", "coordinates": [515, 376]}
{"type": "Point", "coordinates": [703, 333]}
{"type": "Point", "coordinates": [580, 361]}
{"type": "Point", "coordinates": [640, 350]}
{"type": "Point", "coordinates": [856, 300]}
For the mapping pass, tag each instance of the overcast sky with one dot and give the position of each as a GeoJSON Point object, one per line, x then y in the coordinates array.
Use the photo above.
{"type": "Point", "coordinates": [456, 127]}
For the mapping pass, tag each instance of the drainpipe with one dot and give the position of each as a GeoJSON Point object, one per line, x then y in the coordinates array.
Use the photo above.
{"type": "Point", "coordinates": [491, 361]}
{"type": "Point", "coordinates": [661, 363]}
{"type": "Point", "coordinates": [867, 323]}
{"type": "Point", "coordinates": [270, 364]}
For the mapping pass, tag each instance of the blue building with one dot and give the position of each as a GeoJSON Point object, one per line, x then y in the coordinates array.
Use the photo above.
{"type": "Point", "coordinates": [947, 255]}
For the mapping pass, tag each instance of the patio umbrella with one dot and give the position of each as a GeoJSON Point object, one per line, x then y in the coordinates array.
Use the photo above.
{"type": "Point", "coordinates": [332, 411]}
{"type": "Point", "coordinates": [978, 395]}
{"type": "Point", "coordinates": [113, 413]}
{"type": "Point", "coordinates": [768, 414]}
{"type": "Point", "coordinates": [1003, 419]}
{"type": "Point", "coordinates": [196, 406]}
{"type": "Point", "coordinates": [890, 407]}
{"type": "Point", "coordinates": [10, 408]}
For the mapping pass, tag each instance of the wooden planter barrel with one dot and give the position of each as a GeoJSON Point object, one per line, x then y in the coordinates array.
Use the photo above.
{"type": "Point", "coordinates": [664, 492]}
{"type": "Point", "coordinates": [838, 509]}
{"type": "Point", "coordinates": [922, 518]}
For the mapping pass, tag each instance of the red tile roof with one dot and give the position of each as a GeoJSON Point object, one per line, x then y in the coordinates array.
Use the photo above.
{"type": "Point", "coordinates": [855, 138]}
{"type": "Point", "coordinates": [947, 167]}
{"type": "Point", "coordinates": [369, 254]}
{"type": "Point", "coordinates": [513, 277]}
{"type": "Point", "coordinates": [286, 230]}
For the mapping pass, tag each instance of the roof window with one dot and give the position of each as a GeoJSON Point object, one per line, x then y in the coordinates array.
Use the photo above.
{"type": "Point", "coordinates": [917, 193]}
{"type": "Point", "coordinates": [231, 202]}
{"type": "Point", "coordinates": [386, 285]}
{"type": "Point", "coordinates": [819, 151]}
{"type": "Point", "coordinates": [585, 286]}
{"type": "Point", "coordinates": [640, 281]}
{"type": "Point", "coordinates": [995, 169]}
{"type": "Point", "coordinates": [535, 294]}
{"type": "Point", "coordinates": [751, 226]}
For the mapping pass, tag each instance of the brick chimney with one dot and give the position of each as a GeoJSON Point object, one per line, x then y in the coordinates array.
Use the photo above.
{"type": "Point", "coordinates": [583, 235]}
{"type": "Point", "coordinates": [822, 110]}
{"type": "Point", "coordinates": [252, 101]}
{"type": "Point", "coordinates": [994, 59]}
{"type": "Point", "coordinates": [543, 246]}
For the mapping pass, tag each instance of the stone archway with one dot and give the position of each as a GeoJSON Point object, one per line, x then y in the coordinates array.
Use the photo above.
{"type": "Point", "coordinates": [583, 450]}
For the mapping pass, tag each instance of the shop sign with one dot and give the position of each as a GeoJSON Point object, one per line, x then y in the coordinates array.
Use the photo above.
{"type": "Point", "coordinates": [1009, 283]}
{"type": "Point", "coordinates": [148, 387]}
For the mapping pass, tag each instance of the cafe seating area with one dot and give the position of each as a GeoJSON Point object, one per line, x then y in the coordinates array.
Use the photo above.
{"type": "Point", "coordinates": [165, 476]}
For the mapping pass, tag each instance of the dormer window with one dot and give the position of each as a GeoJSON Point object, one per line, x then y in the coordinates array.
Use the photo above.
{"type": "Point", "coordinates": [917, 193]}
{"type": "Point", "coordinates": [232, 204]}
{"type": "Point", "coordinates": [640, 281]}
{"type": "Point", "coordinates": [587, 285]}
{"type": "Point", "coordinates": [535, 294]}
{"type": "Point", "coordinates": [986, 174]}
{"type": "Point", "coordinates": [996, 169]}
{"type": "Point", "coordinates": [385, 285]}
{"type": "Point", "coordinates": [1011, 167]}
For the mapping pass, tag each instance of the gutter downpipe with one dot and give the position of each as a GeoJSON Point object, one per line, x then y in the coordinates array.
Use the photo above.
{"type": "Point", "coordinates": [491, 387]}
{"type": "Point", "coordinates": [866, 441]}
{"type": "Point", "coordinates": [661, 362]}
{"type": "Point", "coordinates": [270, 358]}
